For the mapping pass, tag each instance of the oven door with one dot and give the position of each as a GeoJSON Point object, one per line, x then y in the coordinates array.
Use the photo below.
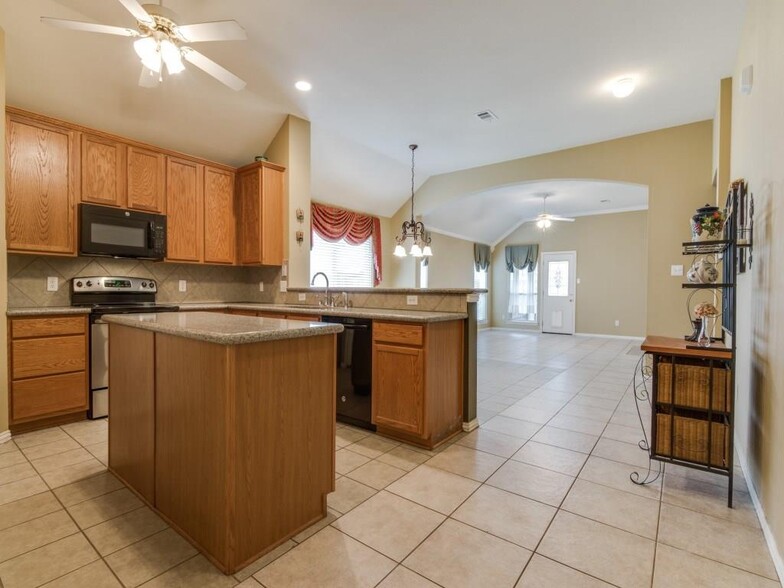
{"type": "Point", "coordinates": [121, 233]}
{"type": "Point", "coordinates": [99, 369]}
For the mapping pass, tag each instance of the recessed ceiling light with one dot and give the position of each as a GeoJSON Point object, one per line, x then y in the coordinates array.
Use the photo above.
{"type": "Point", "coordinates": [303, 86]}
{"type": "Point", "coordinates": [623, 87]}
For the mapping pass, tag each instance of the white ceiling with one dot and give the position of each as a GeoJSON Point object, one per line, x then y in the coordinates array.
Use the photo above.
{"type": "Point", "coordinates": [490, 216]}
{"type": "Point", "coordinates": [386, 74]}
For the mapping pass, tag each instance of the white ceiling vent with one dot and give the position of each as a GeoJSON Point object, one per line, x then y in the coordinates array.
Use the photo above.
{"type": "Point", "coordinates": [486, 116]}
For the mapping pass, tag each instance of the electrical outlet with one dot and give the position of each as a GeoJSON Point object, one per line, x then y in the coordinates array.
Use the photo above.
{"type": "Point", "coordinates": [284, 286]}
{"type": "Point", "coordinates": [617, 323]}
{"type": "Point", "coordinates": [578, 280]}
{"type": "Point", "coordinates": [284, 269]}
{"type": "Point", "coordinates": [302, 297]}
{"type": "Point", "coordinates": [261, 286]}
{"type": "Point", "coordinates": [676, 270]}
{"type": "Point", "coordinates": [183, 285]}
{"type": "Point", "coordinates": [412, 300]}
{"type": "Point", "coordinates": [52, 284]}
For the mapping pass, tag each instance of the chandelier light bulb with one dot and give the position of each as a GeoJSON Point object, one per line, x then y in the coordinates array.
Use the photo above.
{"type": "Point", "coordinates": [427, 252]}
{"type": "Point", "coordinates": [415, 251]}
{"type": "Point", "coordinates": [399, 251]}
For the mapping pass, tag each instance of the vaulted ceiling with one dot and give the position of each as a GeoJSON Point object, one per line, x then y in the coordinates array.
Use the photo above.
{"type": "Point", "coordinates": [386, 74]}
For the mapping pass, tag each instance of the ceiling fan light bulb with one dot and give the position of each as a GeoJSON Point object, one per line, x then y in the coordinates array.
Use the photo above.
{"type": "Point", "coordinates": [145, 47]}
{"type": "Point", "coordinates": [170, 54]}
{"type": "Point", "coordinates": [153, 63]}
{"type": "Point", "coordinates": [547, 223]}
{"type": "Point", "coordinates": [399, 251]}
{"type": "Point", "coordinates": [540, 224]}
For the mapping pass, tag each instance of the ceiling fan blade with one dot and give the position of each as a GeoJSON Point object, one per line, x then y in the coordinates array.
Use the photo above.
{"type": "Point", "coordinates": [561, 219]}
{"type": "Point", "coordinates": [148, 78]}
{"type": "Point", "coordinates": [138, 12]}
{"type": "Point", "coordinates": [222, 30]}
{"type": "Point", "coordinates": [219, 72]}
{"type": "Point", "coordinates": [88, 27]}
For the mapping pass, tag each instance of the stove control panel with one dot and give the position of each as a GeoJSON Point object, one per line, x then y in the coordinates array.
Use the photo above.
{"type": "Point", "coordinates": [113, 284]}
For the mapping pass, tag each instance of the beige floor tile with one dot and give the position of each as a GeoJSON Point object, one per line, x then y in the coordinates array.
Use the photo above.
{"type": "Point", "coordinates": [100, 451]}
{"type": "Point", "coordinates": [345, 436]}
{"type": "Point", "coordinates": [595, 413]}
{"type": "Point", "coordinates": [616, 475]}
{"type": "Point", "coordinates": [35, 533]}
{"type": "Point", "coordinates": [529, 413]}
{"type": "Point", "coordinates": [390, 524]}
{"type": "Point", "coordinates": [566, 439]}
{"type": "Point", "coordinates": [149, 558]}
{"type": "Point", "coordinates": [21, 489]}
{"type": "Point", "coordinates": [622, 452]}
{"type": "Point", "coordinates": [459, 555]}
{"type": "Point", "coordinates": [332, 516]}
{"type": "Point", "coordinates": [593, 401]}
{"type": "Point", "coordinates": [16, 472]}
{"type": "Point", "coordinates": [373, 446]}
{"type": "Point", "coordinates": [506, 515]}
{"type": "Point", "coordinates": [615, 556]}
{"type": "Point", "coordinates": [434, 488]}
{"type": "Point", "coordinates": [61, 460]}
{"type": "Point", "coordinates": [88, 432]}
{"type": "Point", "coordinates": [709, 499]}
{"type": "Point", "coordinates": [249, 583]}
{"type": "Point", "coordinates": [348, 494]}
{"type": "Point", "coordinates": [328, 559]}
{"type": "Point", "coordinates": [730, 543]}
{"type": "Point", "coordinates": [551, 457]}
{"type": "Point", "coordinates": [27, 509]}
{"type": "Point", "coordinates": [346, 460]}
{"type": "Point", "coordinates": [546, 573]}
{"type": "Point", "coordinates": [7, 446]}
{"type": "Point", "coordinates": [676, 568]}
{"type": "Point", "coordinates": [119, 532]}
{"type": "Point", "coordinates": [94, 575]}
{"type": "Point", "coordinates": [376, 474]}
{"type": "Point", "coordinates": [40, 437]}
{"type": "Point", "coordinates": [402, 577]}
{"type": "Point", "coordinates": [196, 571]}
{"type": "Point", "coordinates": [52, 448]}
{"type": "Point", "coordinates": [532, 482]}
{"type": "Point", "coordinates": [467, 462]}
{"type": "Point", "coordinates": [739, 481]}
{"type": "Point", "coordinates": [47, 563]}
{"type": "Point", "coordinates": [11, 458]}
{"type": "Point", "coordinates": [246, 572]}
{"type": "Point", "coordinates": [616, 508]}
{"type": "Point", "coordinates": [513, 427]}
{"type": "Point", "coordinates": [492, 442]}
{"type": "Point", "coordinates": [86, 489]}
{"type": "Point", "coordinates": [404, 458]}
{"type": "Point", "coordinates": [102, 508]}
{"type": "Point", "coordinates": [73, 473]}
{"type": "Point", "coordinates": [578, 424]}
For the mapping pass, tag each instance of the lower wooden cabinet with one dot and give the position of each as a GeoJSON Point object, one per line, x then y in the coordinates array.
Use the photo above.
{"type": "Point", "coordinates": [418, 381]}
{"type": "Point", "coordinates": [48, 368]}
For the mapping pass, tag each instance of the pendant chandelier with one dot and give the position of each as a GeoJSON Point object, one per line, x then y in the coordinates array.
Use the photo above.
{"type": "Point", "coordinates": [413, 229]}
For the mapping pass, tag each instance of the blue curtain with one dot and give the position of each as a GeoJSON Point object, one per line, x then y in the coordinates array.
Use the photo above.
{"type": "Point", "coordinates": [481, 257]}
{"type": "Point", "coordinates": [521, 256]}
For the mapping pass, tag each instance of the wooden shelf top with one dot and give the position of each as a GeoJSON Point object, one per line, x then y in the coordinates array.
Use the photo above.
{"type": "Point", "coordinates": [674, 346]}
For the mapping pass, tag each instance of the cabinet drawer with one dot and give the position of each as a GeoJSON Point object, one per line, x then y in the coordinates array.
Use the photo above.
{"type": "Point", "coordinates": [406, 334]}
{"type": "Point", "coordinates": [52, 355]}
{"type": "Point", "coordinates": [49, 326]}
{"type": "Point", "coordinates": [39, 397]}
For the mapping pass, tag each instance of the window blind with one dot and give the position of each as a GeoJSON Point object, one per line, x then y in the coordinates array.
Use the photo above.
{"type": "Point", "coordinates": [346, 265]}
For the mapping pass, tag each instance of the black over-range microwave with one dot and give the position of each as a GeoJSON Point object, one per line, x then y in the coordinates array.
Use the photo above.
{"type": "Point", "coordinates": [121, 233]}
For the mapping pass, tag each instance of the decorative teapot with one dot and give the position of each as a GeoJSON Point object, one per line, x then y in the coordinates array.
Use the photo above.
{"type": "Point", "coordinates": [703, 271]}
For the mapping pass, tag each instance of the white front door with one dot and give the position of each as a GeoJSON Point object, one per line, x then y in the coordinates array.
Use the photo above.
{"type": "Point", "coordinates": [558, 292]}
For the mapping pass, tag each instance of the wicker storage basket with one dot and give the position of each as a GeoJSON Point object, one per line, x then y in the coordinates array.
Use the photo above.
{"type": "Point", "coordinates": [691, 440]}
{"type": "Point", "coordinates": [691, 386]}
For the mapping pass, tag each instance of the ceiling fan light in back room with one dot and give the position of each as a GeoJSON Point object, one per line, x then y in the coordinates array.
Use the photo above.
{"type": "Point", "coordinates": [148, 51]}
{"type": "Point", "coordinates": [171, 57]}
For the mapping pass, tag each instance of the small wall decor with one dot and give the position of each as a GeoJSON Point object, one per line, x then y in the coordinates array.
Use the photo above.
{"type": "Point", "coordinates": [261, 158]}
{"type": "Point", "coordinates": [708, 223]}
{"type": "Point", "coordinates": [300, 215]}
{"type": "Point", "coordinates": [745, 226]}
{"type": "Point", "coordinates": [300, 237]}
{"type": "Point", "coordinates": [703, 271]}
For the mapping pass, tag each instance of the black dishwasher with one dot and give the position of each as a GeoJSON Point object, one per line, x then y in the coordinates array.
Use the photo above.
{"type": "Point", "coordinates": [354, 371]}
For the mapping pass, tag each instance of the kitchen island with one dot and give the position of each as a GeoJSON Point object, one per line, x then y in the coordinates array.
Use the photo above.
{"type": "Point", "coordinates": [225, 425]}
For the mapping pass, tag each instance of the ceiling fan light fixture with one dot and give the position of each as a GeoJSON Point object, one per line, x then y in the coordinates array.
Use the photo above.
{"type": "Point", "coordinates": [148, 50]}
{"type": "Point", "coordinates": [623, 87]}
{"type": "Point", "coordinates": [171, 56]}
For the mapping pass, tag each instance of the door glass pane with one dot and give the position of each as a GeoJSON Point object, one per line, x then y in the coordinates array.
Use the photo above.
{"type": "Point", "coordinates": [558, 278]}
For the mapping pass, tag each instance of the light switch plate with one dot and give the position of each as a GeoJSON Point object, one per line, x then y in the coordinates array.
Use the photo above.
{"type": "Point", "coordinates": [284, 286]}
{"type": "Point", "coordinates": [578, 280]}
{"type": "Point", "coordinates": [183, 285]}
{"type": "Point", "coordinates": [302, 297]}
{"type": "Point", "coordinates": [412, 300]}
{"type": "Point", "coordinates": [261, 286]}
{"type": "Point", "coordinates": [617, 323]}
{"type": "Point", "coordinates": [284, 269]}
{"type": "Point", "coordinates": [676, 270]}
{"type": "Point", "coordinates": [52, 284]}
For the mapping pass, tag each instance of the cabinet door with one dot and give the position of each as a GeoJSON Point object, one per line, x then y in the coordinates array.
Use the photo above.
{"type": "Point", "coordinates": [398, 388]}
{"type": "Point", "coordinates": [184, 206]}
{"type": "Point", "coordinates": [41, 185]}
{"type": "Point", "coordinates": [219, 219]}
{"type": "Point", "coordinates": [103, 171]}
{"type": "Point", "coordinates": [248, 242]}
{"type": "Point", "coordinates": [272, 217]}
{"type": "Point", "coordinates": [146, 171]}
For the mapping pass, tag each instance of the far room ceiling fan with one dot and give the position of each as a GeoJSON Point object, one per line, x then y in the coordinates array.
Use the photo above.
{"type": "Point", "coordinates": [544, 220]}
{"type": "Point", "coordinates": [161, 41]}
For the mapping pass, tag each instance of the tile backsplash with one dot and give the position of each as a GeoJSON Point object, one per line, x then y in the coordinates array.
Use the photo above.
{"type": "Point", "coordinates": [27, 276]}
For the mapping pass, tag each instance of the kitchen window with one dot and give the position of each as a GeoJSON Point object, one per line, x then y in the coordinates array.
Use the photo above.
{"type": "Point", "coordinates": [423, 273]}
{"type": "Point", "coordinates": [480, 281]}
{"type": "Point", "coordinates": [523, 296]}
{"type": "Point", "coordinates": [346, 265]}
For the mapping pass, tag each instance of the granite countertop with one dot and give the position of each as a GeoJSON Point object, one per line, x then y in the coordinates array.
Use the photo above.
{"type": "Point", "coordinates": [224, 329]}
{"type": "Point", "coordinates": [335, 289]}
{"type": "Point", "coordinates": [46, 310]}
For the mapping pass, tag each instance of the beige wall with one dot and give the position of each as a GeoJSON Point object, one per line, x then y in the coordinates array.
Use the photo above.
{"type": "Point", "coordinates": [757, 156]}
{"type": "Point", "coordinates": [611, 265]}
{"type": "Point", "coordinates": [452, 264]}
{"type": "Point", "coordinates": [3, 262]}
{"type": "Point", "coordinates": [674, 163]}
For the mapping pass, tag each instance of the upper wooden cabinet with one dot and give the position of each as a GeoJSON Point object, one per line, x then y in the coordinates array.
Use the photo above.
{"type": "Point", "coordinates": [219, 216]}
{"type": "Point", "coordinates": [42, 169]}
{"type": "Point", "coordinates": [185, 210]}
{"type": "Point", "coordinates": [260, 194]}
{"type": "Point", "coordinates": [103, 171]}
{"type": "Point", "coordinates": [146, 171]}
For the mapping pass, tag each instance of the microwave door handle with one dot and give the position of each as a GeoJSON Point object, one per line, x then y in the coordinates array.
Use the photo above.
{"type": "Point", "coordinates": [150, 235]}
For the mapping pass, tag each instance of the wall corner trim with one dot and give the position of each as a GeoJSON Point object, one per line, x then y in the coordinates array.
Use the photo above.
{"type": "Point", "coordinates": [471, 425]}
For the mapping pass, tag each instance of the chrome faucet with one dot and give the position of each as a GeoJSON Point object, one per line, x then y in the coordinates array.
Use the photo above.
{"type": "Point", "coordinates": [327, 298]}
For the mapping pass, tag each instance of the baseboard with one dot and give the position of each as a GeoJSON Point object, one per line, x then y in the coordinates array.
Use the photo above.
{"type": "Point", "coordinates": [770, 539]}
{"type": "Point", "coordinates": [471, 425]}
{"type": "Point", "coordinates": [603, 336]}
{"type": "Point", "coordinates": [5, 436]}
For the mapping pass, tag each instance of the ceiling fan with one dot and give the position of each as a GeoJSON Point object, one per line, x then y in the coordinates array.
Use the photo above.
{"type": "Point", "coordinates": [161, 41]}
{"type": "Point", "coordinates": [544, 220]}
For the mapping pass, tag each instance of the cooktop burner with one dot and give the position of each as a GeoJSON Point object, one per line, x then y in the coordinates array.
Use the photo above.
{"type": "Point", "coordinates": [117, 295]}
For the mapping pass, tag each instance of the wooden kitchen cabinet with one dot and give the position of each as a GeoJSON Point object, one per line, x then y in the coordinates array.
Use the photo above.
{"type": "Point", "coordinates": [146, 176]}
{"type": "Point", "coordinates": [220, 241]}
{"type": "Point", "coordinates": [260, 231]}
{"type": "Point", "coordinates": [48, 370]}
{"type": "Point", "coordinates": [185, 210]}
{"type": "Point", "coordinates": [418, 381]}
{"type": "Point", "coordinates": [42, 179]}
{"type": "Point", "coordinates": [103, 170]}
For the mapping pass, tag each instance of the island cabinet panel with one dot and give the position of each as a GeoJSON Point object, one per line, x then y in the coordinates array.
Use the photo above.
{"type": "Point", "coordinates": [398, 388]}
{"type": "Point", "coordinates": [132, 406]}
{"type": "Point", "coordinates": [184, 210]}
{"type": "Point", "coordinates": [146, 176]}
{"type": "Point", "coordinates": [42, 182]}
{"type": "Point", "coordinates": [261, 202]}
{"type": "Point", "coordinates": [219, 216]}
{"type": "Point", "coordinates": [103, 170]}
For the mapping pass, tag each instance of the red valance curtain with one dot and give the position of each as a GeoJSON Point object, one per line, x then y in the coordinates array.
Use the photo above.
{"type": "Point", "coordinates": [334, 224]}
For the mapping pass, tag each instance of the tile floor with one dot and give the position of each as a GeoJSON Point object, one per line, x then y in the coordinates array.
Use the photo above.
{"type": "Point", "coordinates": [538, 496]}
